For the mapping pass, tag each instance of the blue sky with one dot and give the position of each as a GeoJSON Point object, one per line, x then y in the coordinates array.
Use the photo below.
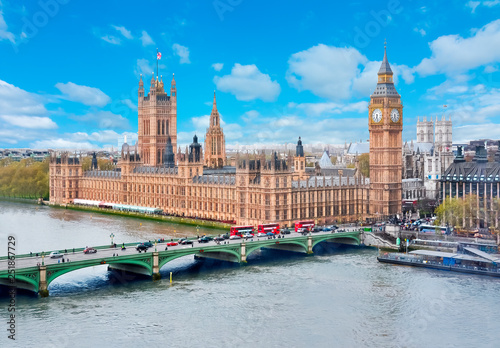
{"type": "Point", "coordinates": [69, 69]}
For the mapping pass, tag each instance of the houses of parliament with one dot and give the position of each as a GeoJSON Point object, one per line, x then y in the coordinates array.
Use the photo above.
{"type": "Point", "coordinates": [198, 182]}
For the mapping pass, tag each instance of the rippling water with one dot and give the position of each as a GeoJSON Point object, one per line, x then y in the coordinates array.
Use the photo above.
{"type": "Point", "coordinates": [341, 297]}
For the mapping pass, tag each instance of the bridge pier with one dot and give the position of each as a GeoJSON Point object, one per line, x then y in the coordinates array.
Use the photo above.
{"type": "Point", "coordinates": [309, 244]}
{"type": "Point", "coordinates": [243, 252]}
{"type": "Point", "coordinates": [156, 267]}
{"type": "Point", "coordinates": [42, 284]}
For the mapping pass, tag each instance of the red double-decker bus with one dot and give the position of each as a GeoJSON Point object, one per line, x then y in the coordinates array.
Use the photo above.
{"type": "Point", "coordinates": [307, 224]}
{"type": "Point", "coordinates": [241, 230]}
{"type": "Point", "coordinates": [265, 228]}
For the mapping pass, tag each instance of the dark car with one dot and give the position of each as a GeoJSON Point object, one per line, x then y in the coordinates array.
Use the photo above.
{"type": "Point", "coordinates": [219, 239]}
{"type": "Point", "coordinates": [285, 231]}
{"type": "Point", "coordinates": [141, 247]}
{"type": "Point", "coordinates": [148, 244]}
{"type": "Point", "coordinates": [316, 230]}
{"type": "Point", "coordinates": [204, 239]}
{"type": "Point", "coordinates": [225, 236]}
{"type": "Point", "coordinates": [186, 241]}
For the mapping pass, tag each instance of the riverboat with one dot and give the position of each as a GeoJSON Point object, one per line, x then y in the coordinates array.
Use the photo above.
{"type": "Point", "coordinates": [472, 261]}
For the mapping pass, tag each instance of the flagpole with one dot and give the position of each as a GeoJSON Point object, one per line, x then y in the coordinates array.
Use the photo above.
{"type": "Point", "coordinates": [157, 63]}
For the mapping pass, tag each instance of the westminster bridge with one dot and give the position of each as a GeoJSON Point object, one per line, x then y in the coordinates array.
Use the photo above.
{"type": "Point", "coordinates": [35, 273]}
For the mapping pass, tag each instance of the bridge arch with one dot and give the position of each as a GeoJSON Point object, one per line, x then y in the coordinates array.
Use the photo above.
{"type": "Point", "coordinates": [166, 257]}
{"type": "Point", "coordinates": [343, 239]}
{"type": "Point", "coordinates": [23, 281]}
{"type": "Point", "coordinates": [275, 244]}
{"type": "Point", "coordinates": [52, 273]}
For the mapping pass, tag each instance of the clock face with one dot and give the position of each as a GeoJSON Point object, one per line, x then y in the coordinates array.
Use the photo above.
{"type": "Point", "coordinates": [395, 115]}
{"type": "Point", "coordinates": [376, 115]}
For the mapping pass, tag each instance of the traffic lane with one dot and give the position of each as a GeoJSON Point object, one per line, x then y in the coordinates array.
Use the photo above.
{"type": "Point", "coordinates": [108, 253]}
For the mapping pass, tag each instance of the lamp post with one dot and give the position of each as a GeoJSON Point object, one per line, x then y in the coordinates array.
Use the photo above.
{"type": "Point", "coordinates": [112, 236]}
{"type": "Point", "coordinates": [155, 246]}
{"type": "Point", "coordinates": [43, 256]}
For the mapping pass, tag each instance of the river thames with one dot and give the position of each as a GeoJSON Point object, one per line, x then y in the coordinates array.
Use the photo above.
{"type": "Point", "coordinates": [341, 297]}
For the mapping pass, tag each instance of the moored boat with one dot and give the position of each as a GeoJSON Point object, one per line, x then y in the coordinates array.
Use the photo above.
{"type": "Point", "coordinates": [471, 261]}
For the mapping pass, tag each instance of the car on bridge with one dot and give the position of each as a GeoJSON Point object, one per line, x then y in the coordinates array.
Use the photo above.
{"type": "Point", "coordinates": [172, 243]}
{"type": "Point", "coordinates": [247, 235]}
{"type": "Point", "coordinates": [219, 239]}
{"type": "Point", "coordinates": [234, 236]}
{"type": "Point", "coordinates": [148, 244]}
{"type": "Point", "coordinates": [225, 236]}
{"type": "Point", "coordinates": [55, 255]}
{"type": "Point", "coordinates": [185, 241]}
{"type": "Point", "coordinates": [89, 251]}
{"type": "Point", "coordinates": [270, 234]}
{"type": "Point", "coordinates": [285, 231]}
{"type": "Point", "coordinates": [141, 247]}
{"type": "Point", "coordinates": [204, 239]}
{"type": "Point", "coordinates": [261, 234]}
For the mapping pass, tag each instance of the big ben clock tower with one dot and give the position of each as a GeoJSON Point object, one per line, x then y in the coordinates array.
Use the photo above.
{"type": "Point", "coordinates": [385, 125]}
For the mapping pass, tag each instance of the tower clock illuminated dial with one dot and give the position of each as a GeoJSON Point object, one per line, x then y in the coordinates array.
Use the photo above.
{"type": "Point", "coordinates": [376, 115]}
{"type": "Point", "coordinates": [395, 115]}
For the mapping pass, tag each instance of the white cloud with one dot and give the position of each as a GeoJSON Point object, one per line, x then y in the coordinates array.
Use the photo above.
{"type": "Point", "coordinates": [318, 109]}
{"type": "Point", "coordinates": [465, 133]}
{"type": "Point", "coordinates": [338, 73]}
{"type": "Point", "coordinates": [33, 122]}
{"type": "Point", "coordinates": [247, 83]}
{"type": "Point", "coordinates": [452, 54]}
{"type": "Point", "coordinates": [4, 33]}
{"type": "Point", "coordinates": [146, 39]}
{"type": "Point", "coordinates": [122, 30]}
{"type": "Point", "coordinates": [83, 94]}
{"type": "Point", "coordinates": [420, 31]}
{"type": "Point", "coordinates": [217, 66]}
{"type": "Point", "coordinates": [111, 39]}
{"type": "Point", "coordinates": [60, 143]}
{"type": "Point", "coordinates": [144, 67]}
{"type": "Point", "coordinates": [250, 115]}
{"type": "Point", "coordinates": [325, 71]}
{"type": "Point", "coordinates": [182, 52]}
{"type": "Point", "coordinates": [104, 119]}
{"type": "Point", "coordinates": [130, 104]}
{"type": "Point", "coordinates": [16, 101]}
{"type": "Point", "coordinates": [201, 123]}
{"type": "Point", "coordinates": [490, 69]}
{"type": "Point", "coordinates": [488, 3]}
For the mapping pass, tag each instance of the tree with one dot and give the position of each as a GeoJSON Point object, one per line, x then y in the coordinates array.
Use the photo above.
{"type": "Point", "coordinates": [24, 179]}
{"type": "Point", "coordinates": [364, 164]}
{"type": "Point", "coordinates": [333, 159]}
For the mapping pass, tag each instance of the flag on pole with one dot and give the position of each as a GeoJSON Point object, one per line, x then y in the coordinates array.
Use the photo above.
{"type": "Point", "coordinates": [158, 55]}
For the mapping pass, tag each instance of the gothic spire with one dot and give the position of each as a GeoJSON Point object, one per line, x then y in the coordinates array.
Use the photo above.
{"type": "Point", "coordinates": [385, 68]}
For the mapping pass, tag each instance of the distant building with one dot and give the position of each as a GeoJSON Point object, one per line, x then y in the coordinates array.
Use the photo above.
{"type": "Point", "coordinates": [479, 177]}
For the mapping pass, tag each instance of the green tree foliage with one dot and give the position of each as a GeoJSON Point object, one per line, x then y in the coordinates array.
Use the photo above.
{"type": "Point", "coordinates": [333, 159]}
{"type": "Point", "coordinates": [466, 212]}
{"type": "Point", "coordinates": [105, 164]}
{"type": "Point", "coordinates": [86, 162]}
{"type": "Point", "coordinates": [364, 164]}
{"type": "Point", "coordinates": [24, 179]}
{"type": "Point", "coordinates": [102, 163]}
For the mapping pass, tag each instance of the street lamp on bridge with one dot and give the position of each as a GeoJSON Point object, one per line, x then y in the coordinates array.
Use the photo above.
{"type": "Point", "coordinates": [112, 236]}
